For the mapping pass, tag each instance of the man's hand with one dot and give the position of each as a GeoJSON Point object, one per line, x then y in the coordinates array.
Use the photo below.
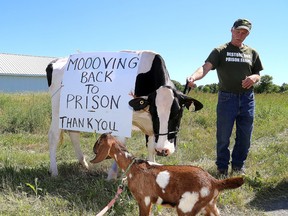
{"type": "Point", "coordinates": [249, 81]}
{"type": "Point", "coordinates": [191, 81]}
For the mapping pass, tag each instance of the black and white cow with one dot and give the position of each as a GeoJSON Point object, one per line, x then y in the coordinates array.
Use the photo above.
{"type": "Point", "coordinates": [157, 108]}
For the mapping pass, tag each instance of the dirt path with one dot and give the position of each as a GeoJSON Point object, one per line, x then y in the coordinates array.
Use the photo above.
{"type": "Point", "coordinates": [277, 208]}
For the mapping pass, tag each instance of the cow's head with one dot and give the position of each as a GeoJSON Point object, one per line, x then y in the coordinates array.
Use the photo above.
{"type": "Point", "coordinates": [166, 107]}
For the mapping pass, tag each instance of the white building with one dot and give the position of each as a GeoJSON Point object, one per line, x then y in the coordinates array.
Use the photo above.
{"type": "Point", "coordinates": [23, 73]}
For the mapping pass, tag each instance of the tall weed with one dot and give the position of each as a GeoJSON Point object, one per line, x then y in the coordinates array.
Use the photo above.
{"type": "Point", "coordinates": [24, 113]}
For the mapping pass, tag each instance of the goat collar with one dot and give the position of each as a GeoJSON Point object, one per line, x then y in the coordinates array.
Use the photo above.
{"type": "Point", "coordinates": [128, 168]}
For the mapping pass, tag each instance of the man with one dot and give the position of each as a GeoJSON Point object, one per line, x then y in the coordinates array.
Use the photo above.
{"type": "Point", "coordinates": [238, 67]}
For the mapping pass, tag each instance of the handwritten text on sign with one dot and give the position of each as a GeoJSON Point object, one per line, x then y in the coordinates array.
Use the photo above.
{"type": "Point", "coordinates": [95, 92]}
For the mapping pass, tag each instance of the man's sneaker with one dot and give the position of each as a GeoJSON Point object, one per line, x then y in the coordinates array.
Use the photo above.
{"type": "Point", "coordinates": [238, 170]}
{"type": "Point", "coordinates": [222, 172]}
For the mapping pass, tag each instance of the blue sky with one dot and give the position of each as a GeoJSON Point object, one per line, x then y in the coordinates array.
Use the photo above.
{"type": "Point", "coordinates": [184, 32]}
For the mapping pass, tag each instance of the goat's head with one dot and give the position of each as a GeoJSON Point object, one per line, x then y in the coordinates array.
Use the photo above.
{"type": "Point", "coordinates": [165, 106]}
{"type": "Point", "coordinates": [102, 147]}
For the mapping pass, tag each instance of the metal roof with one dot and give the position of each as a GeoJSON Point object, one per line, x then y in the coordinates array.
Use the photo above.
{"type": "Point", "coordinates": [23, 65]}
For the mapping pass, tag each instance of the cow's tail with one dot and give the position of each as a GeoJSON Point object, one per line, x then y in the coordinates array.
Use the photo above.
{"type": "Point", "coordinates": [61, 138]}
{"type": "Point", "coordinates": [229, 183]}
{"type": "Point", "coordinates": [49, 70]}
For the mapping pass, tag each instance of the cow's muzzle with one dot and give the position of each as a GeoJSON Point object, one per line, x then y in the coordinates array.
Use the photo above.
{"type": "Point", "coordinates": [163, 152]}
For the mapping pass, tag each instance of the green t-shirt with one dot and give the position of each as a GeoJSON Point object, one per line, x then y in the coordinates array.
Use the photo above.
{"type": "Point", "coordinates": [233, 64]}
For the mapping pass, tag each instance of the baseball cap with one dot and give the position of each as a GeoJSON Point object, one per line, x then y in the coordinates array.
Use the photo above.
{"type": "Point", "coordinates": [242, 24]}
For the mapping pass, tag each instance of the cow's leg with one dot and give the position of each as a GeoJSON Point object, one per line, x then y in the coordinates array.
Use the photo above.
{"type": "Point", "coordinates": [75, 139]}
{"type": "Point", "coordinates": [53, 137]}
{"type": "Point", "coordinates": [113, 172]}
{"type": "Point", "coordinates": [151, 148]}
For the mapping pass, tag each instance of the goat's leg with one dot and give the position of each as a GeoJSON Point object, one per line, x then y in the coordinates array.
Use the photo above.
{"type": "Point", "coordinates": [53, 138]}
{"type": "Point", "coordinates": [75, 139]}
{"type": "Point", "coordinates": [211, 209]}
{"type": "Point", "coordinates": [151, 148]}
{"type": "Point", "coordinates": [144, 210]}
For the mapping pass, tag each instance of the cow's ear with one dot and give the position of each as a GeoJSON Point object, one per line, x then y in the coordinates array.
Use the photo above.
{"type": "Point", "coordinates": [138, 103]}
{"type": "Point", "coordinates": [190, 103]}
{"type": "Point", "coordinates": [197, 104]}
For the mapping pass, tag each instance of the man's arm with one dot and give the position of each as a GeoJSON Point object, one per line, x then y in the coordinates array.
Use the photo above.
{"type": "Point", "coordinates": [199, 73]}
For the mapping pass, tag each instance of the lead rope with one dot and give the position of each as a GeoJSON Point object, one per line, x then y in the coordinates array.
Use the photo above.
{"type": "Point", "coordinates": [119, 191]}
{"type": "Point", "coordinates": [187, 89]}
{"type": "Point", "coordinates": [111, 203]}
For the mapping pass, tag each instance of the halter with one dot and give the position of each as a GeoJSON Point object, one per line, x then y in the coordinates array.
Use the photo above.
{"type": "Point", "coordinates": [169, 132]}
{"type": "Point", "coordinates": [185, 91]}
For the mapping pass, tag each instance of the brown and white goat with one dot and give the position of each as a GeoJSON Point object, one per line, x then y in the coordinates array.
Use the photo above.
{"type": "Point", "coordinates": [189, 189]}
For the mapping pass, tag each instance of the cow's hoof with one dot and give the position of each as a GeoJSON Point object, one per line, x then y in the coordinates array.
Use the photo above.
{"type": "Point", "coordinates": [164, 152]}
{"type": "Point", "coordinates": [53, 173]}
{"type": "Point", "coordinates": [84, 163]}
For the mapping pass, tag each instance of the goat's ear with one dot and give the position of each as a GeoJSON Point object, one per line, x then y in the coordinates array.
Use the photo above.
{"type": "Point", "coordinates": [138, 103]}
{"type": "Point", "coordinates": [102, 152]}
{"type": "Point", "coordinates": [190, 103]}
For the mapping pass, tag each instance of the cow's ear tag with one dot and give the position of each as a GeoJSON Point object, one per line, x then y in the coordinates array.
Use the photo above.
{"type": "Point", "coordinates": [138, 103]}
{"type": "Point", "coordinates": [190, 103]}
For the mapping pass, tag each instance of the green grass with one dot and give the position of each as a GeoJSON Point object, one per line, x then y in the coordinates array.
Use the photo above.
{"type": "Point", "coordinates": [26, 188]}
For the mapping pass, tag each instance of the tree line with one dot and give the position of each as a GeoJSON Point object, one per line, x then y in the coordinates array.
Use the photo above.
{"type": "Point", "coordinates": [265, 85]}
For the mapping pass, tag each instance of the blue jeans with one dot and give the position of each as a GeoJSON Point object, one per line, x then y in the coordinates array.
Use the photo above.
{"type": "Point", "coordinates": [234, 108]}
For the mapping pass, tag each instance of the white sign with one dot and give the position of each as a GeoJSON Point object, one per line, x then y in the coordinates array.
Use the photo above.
{"type": "Point", "coordinates": [95, 92]}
